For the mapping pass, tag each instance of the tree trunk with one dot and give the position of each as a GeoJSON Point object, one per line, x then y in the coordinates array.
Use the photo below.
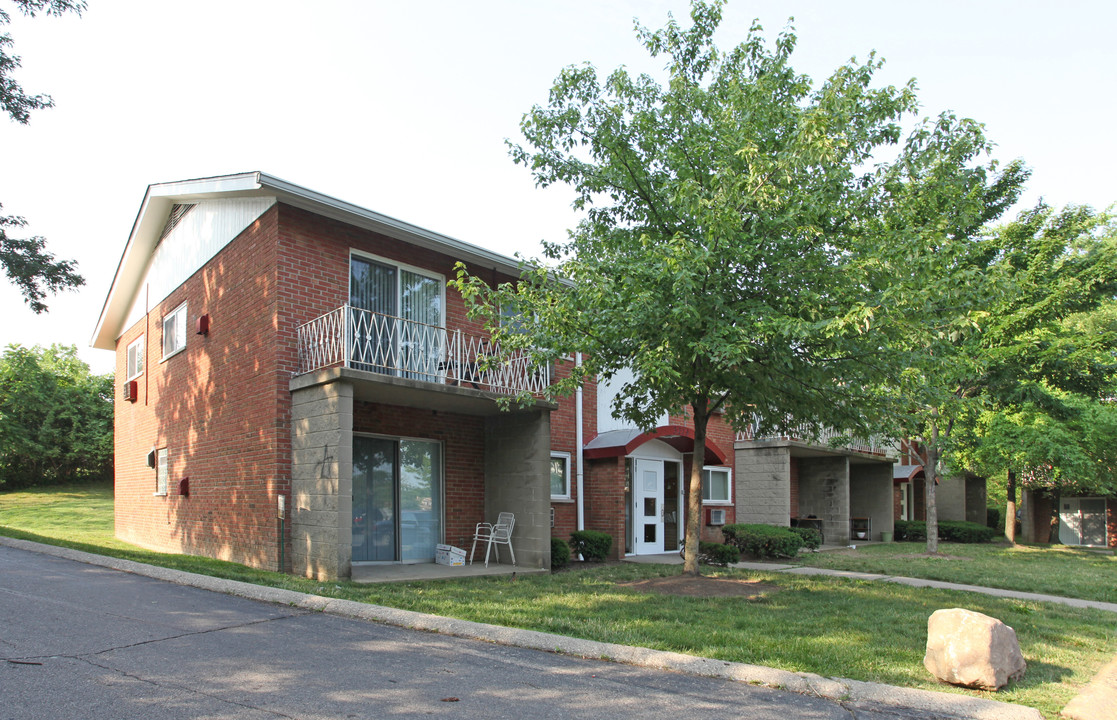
{"type": "Point", "coordinates": [694, 491]}
{"type": "Point", "coordinates": [930, 475]}
{"type": "Point", "coordinates": [1010, 509]}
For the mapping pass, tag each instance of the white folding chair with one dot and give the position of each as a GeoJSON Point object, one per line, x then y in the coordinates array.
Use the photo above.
{"type": "Point", "coordinates": [499, 534]}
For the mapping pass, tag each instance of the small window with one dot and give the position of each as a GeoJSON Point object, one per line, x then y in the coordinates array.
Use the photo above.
{"type": "Point", "coordinates": [162, 469]}
{"type": "Point", "coordinates": [136, 358]}
{"type": "Point", "coordinates": [560, 475]}
{"type": "Point", "coordinates": [715, 485]}
{"type": "Point", "coordinates": [174, 331]}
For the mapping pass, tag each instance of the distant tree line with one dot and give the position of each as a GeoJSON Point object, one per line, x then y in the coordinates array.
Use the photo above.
{"type": "Point", "coordinates": [56, 418]}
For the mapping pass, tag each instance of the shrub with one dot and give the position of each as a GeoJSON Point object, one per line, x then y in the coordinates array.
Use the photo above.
{"type": "Point", "coordinates": [965, 532]}
{"type": "Point", "coordinates": [560, 554]}
{"type": "Point", "coordinates": [717, 554]}
{"type": "Point", "coordinates": [949, 531]}
{"type": "Point", "coordinates": [592, 545]}
{"type": "Point", "coordinates": [812, 538]}
{"type": "Point", "coordinates": [993, 518]}
{"type": "Point", "coordinates": [911, 530]}
{"type": "Point", "coordinates": [763, 541]}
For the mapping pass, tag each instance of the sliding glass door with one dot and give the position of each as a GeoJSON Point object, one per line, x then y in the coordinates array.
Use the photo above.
{"type": "Point", "coordinates": [397, 499]}
{"type": "Point", "coordinates": [397, 320]}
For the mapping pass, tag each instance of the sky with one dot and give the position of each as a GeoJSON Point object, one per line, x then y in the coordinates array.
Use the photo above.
{"type": "Point", "coordinates": [404, 107]}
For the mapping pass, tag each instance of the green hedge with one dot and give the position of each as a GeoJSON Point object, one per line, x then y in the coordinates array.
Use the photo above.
{"type": "Point", "coordinates": [560, 553]}
{"type": "Point", "coordinates": [812, 538]}
{"type": "Point", "coordinates": [763, 541]}
{"type": "Point", "coordinates": [966, 532]}
{"type": "Point", "coordinates": [949, 531]}
{"type": "Point", "coordinates": [717, 554]}
{"type": "Point", "coordinates": [910, 530]}
{"type": "Point", "coordinates": [592, 545]}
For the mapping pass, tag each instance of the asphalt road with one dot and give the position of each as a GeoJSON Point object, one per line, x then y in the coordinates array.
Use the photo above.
{"type": "Point", "coordinates": [80, 641]}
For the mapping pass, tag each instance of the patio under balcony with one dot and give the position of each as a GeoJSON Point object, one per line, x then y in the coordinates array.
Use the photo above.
{"type": "Point", "coordinates": [843, 489]}
{"type": "Point", "coordinates": [368, 383]}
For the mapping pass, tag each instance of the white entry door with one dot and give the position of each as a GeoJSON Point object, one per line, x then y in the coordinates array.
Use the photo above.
{"type": "Point", "coordinates": [648, 511]}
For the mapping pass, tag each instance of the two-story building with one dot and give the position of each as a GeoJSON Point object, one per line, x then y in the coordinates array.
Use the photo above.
{"type": "Point", "coordinates": [299, 389]}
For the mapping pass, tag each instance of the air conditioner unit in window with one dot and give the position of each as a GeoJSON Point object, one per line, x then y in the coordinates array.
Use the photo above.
{"type": "Point", "coordinates": [715, 516]}
{"type": "Point", "coordinates": [131, 390]}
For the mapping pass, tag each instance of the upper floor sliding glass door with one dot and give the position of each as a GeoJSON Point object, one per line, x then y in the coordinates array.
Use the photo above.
{"type": "Point", "coordinates": [397, 323]}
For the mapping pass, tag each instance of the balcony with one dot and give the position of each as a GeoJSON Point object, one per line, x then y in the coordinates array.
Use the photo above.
{"type": "Point", "coordinates": [354, 338]}
{"type": "Point", "coordinates": [805, 433]}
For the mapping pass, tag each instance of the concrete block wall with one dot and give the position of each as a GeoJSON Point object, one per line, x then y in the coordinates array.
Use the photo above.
{"type": "Point", "coordinates": [950, 498]}
{"type": "Point", "coordinates": [976, 500]}
{"type": "Point", "coordinates": [322, 480]}
{"type": "Point", "coordinates": [871, 496]}
{"type": "Point", "coordinates": [517, 479]}
{"type": "Point", "coordinates": [824, 493]}
{"type": "Point", "coordinates": [762, 485]}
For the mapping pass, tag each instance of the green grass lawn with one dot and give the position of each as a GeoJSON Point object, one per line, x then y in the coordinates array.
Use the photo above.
{"type": "Point", "coordinates": [840, 628]}
{"type": "Point", "coordinates": [1049, 569]}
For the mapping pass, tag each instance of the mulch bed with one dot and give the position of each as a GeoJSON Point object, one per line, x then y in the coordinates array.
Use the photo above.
{"type": "Point", "coordinates": [702, 586]}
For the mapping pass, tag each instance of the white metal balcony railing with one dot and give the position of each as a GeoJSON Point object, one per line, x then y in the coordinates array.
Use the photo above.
{"type": "Point", "coordinates": [805, 433]}
{"type": "Point", "coordinates": [357, 338]}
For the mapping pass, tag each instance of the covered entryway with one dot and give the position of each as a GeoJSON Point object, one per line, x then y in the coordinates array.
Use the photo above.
{"type": "Point", "coordinates": [656, 499]}
{"type": "Point", "coordinates": [655, 464]}
{"type": "Point", "coordinates": [385, 467]}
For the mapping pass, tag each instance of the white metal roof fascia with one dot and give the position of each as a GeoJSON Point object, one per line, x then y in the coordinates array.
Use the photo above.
{"type": "Point", "coordinates": [150, 219]}
{"type": "Point", "coordinates": [160, 197]}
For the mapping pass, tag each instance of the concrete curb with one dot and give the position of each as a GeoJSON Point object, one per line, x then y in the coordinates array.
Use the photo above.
{"type": "Point", "coordinates": [944, 705]}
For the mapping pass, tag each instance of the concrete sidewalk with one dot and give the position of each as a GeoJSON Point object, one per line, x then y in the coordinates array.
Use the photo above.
{"type": "Point", "coordinates": [921, 703]}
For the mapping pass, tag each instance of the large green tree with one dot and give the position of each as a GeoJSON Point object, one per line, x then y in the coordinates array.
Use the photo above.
{"type": "Point", "coordinates": [744, 245]}
{"type": "Point", "coordinates": [56, 418]}
{"type": "Point", "coordinates": [26, 261]}
{"type": "Point", "coordinates": [1005, 392]}
{"type": "Point", "coordinates": [1046, 415]}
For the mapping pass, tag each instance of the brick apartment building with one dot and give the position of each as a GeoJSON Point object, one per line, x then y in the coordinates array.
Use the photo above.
{"type": "Point", "coordinates": [276, 347]}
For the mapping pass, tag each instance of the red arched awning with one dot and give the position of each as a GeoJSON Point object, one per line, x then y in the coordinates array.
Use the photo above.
{"type": "Point", "coordinates": [621, 443]}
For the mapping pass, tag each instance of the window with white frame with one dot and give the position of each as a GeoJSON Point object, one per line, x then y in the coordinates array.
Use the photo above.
{"type": "Point", "coordinates": [560, 476]}
{"type": "Point", "coordinates": [715, 485]}
{"type": "Point", "coordinates": [136, 358]}
{"type": "Point", "coordinates": [162, 470]}
{"type": "Point", "coordinates": [174, 331]}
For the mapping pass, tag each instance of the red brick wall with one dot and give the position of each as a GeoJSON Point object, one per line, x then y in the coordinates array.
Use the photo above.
{"type": "Point", "coordinates": [1111, 521]}
{"type": "Point", "coordinates": [215, 406]}
{"type": "Point", "coordinates": [463, 447]}
{"type": "Point", "coordinates": [308, 241]}
{"type": "Point", "coordinates": [605, 500]}
{"type": "Point", "coordinates": [564, 439]}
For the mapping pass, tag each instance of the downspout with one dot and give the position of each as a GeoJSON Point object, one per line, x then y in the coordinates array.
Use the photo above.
{"type": "Point", "coordinates": [579, 462]}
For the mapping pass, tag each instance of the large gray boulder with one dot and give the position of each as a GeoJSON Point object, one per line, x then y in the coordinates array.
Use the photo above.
{"type": "Point", "coordinates": [972, 650]}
